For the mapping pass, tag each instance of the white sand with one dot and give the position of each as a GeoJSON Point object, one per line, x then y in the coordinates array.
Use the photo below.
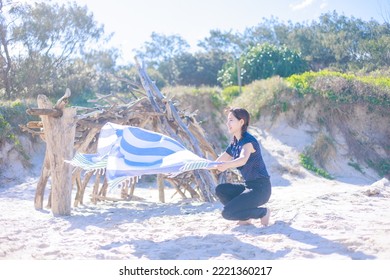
{"type": "Point", "coordinates": [312, 218]}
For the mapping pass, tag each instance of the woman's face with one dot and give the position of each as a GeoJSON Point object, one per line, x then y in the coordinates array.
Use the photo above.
{"type": "Point", "coordinates": [234, 125]}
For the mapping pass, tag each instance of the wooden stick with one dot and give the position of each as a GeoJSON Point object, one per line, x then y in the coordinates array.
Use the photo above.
{"type": "Point", "coordinates": [56, 113]}
{"type": "Point", "coordinates": [41, 185]}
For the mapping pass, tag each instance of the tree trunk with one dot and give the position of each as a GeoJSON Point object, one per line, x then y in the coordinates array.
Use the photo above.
{"type": "Point", "coordinates": [6, 60]}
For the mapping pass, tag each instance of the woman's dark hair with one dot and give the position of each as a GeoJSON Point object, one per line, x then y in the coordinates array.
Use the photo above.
{"type": "Point", "coordinates": [241, 114]}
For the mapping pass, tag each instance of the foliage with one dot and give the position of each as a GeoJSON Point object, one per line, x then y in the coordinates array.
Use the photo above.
{"type": "Point", "coordinates": [341, 42]}
{"type": "Point", "coordinates": [264, 61]}
{"type": "Point", "coordinates": [39, 42]}
{"type": "Point", "coordinates": [199, 98]}
{"type": "Point", "coordinates": [228, 75]}
{"type": "Point", "coordinates": [223, 42]}
{"type": "Point", "coordinates": [161, 48]}
{"type": "Point", "coordinates": [200, 70]}
{"type": "Point", "coordinates": [333, 40]}
{"type": "Point", "coordinates": [343, 88]}
{"type": "Point", "coordinates": [269, 31]}
{"type": "Point", "coordinates": [378, 54]}
{"type": "Point", "coordinates": [14, 112]}
{"type": "Point", "coordinates": [382, 166]}
{"type": "Point", "coordinates": [54, 30]}
{"type": "Point", "coordinates": [261, 62]}
{"type": "Point", "coordinates": [188, 69]}
{"type": "Point", "coordinates": [11, 115]}
{"type": "Point", "coordinates": [206, 104]}
{"type": "Point", "coordinates": [272, 95]}
{"type": "Point", "coordinates": [230, 93]}
{"type": "Point", "coordinates": [356, 166]}
{"type": "Point", "coordinates": [156, 77]}
{"type": "Point", "coordinates": [5, 129]}
{"type": "Point", "coordinates": [308, 163]}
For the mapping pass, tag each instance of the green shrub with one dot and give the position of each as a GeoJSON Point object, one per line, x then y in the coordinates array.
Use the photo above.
{"type": "Point", "coordinates": [5, 129]}
{"type": "Point", "coordinates": [343, 88]}
{"type": "Point", "coordinates": [308, 163]}
{"type": "Point", "coordinates": [261, 62]}
{"type": "Point", "coordinates": [264, 61]}
{"type": "Point", "coordinates": [271, 94]}
{"type": "Point", "coordinates": [201, 96]}
{"type": "Point", "coordinates": [356, 166]}
{"type": "Point", "coordinates": [382, 166]}
{"type": "Point", "coordinates": [229, 93]}
{"type": "Point", "coordinates": [11, 115]}
{"type": "Point", "coordinates": [15, 113]}
{"type": "Point", "coordinates": [82, 99]}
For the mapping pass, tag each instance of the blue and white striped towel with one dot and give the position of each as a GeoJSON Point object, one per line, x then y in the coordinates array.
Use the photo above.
{"type": "Point", "coordinates": [128, 152]}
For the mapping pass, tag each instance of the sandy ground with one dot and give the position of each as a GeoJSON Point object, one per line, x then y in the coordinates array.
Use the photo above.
{"type": "Point", "coordinates": [312, 218]}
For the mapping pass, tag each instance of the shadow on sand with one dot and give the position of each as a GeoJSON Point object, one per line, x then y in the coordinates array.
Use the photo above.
{"type": "Point", "coordinates": [321, 245]}
{"type": "Point", "coordinates": [198, 248]}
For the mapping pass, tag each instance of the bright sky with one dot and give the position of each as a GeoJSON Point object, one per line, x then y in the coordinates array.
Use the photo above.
{"type": "Point", "coordinates": [133, 21]}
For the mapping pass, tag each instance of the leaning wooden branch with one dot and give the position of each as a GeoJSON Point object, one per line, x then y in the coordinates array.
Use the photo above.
{"type": "Point", "coordinates": [205, 181]}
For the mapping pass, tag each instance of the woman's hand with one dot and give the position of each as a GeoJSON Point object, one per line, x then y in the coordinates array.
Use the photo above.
{"type": "Point", "coordinates": [222, 166]}
{"type": "Point", "coordinates": [226, 163]}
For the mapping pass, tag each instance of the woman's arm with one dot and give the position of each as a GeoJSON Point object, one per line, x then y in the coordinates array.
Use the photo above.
{"type": "Point", "coordinates": [246, 151]}
{"type": "Point", "coordinates": [224, 157]}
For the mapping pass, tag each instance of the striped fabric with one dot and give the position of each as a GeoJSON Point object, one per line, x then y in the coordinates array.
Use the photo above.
{"type": "Point", "coordinates": [128, 152]}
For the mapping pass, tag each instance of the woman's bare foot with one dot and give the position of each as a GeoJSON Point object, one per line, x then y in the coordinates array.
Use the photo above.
{"type": "Point", "coordinates": [265, 219]}
{"type": "Point", "coordinates": [245, 222]}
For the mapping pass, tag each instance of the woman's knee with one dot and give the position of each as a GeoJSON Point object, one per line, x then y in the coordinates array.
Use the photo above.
{"type": "Point", "coordinates": [228, 215]}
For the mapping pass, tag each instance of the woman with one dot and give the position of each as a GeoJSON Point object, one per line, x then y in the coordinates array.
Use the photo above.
{"type": "Point", "coordinates": [241, 201]}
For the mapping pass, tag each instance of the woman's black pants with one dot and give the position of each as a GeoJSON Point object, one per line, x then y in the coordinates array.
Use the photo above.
{"type": "Point", "coordinates": [242, 201]}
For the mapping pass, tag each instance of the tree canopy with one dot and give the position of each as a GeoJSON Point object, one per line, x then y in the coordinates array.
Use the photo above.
{"type": "Point", "coordinates": [46, 47]}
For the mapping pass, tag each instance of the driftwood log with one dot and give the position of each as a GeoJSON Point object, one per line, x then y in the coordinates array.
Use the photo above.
{"type": "Point", "coordinates": [146, 107]}
{"type": "Point", "coordinates": [59, 124]}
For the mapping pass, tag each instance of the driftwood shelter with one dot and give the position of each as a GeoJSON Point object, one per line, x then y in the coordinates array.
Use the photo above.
{"type": "Point", "coordinates": [66, 132]}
